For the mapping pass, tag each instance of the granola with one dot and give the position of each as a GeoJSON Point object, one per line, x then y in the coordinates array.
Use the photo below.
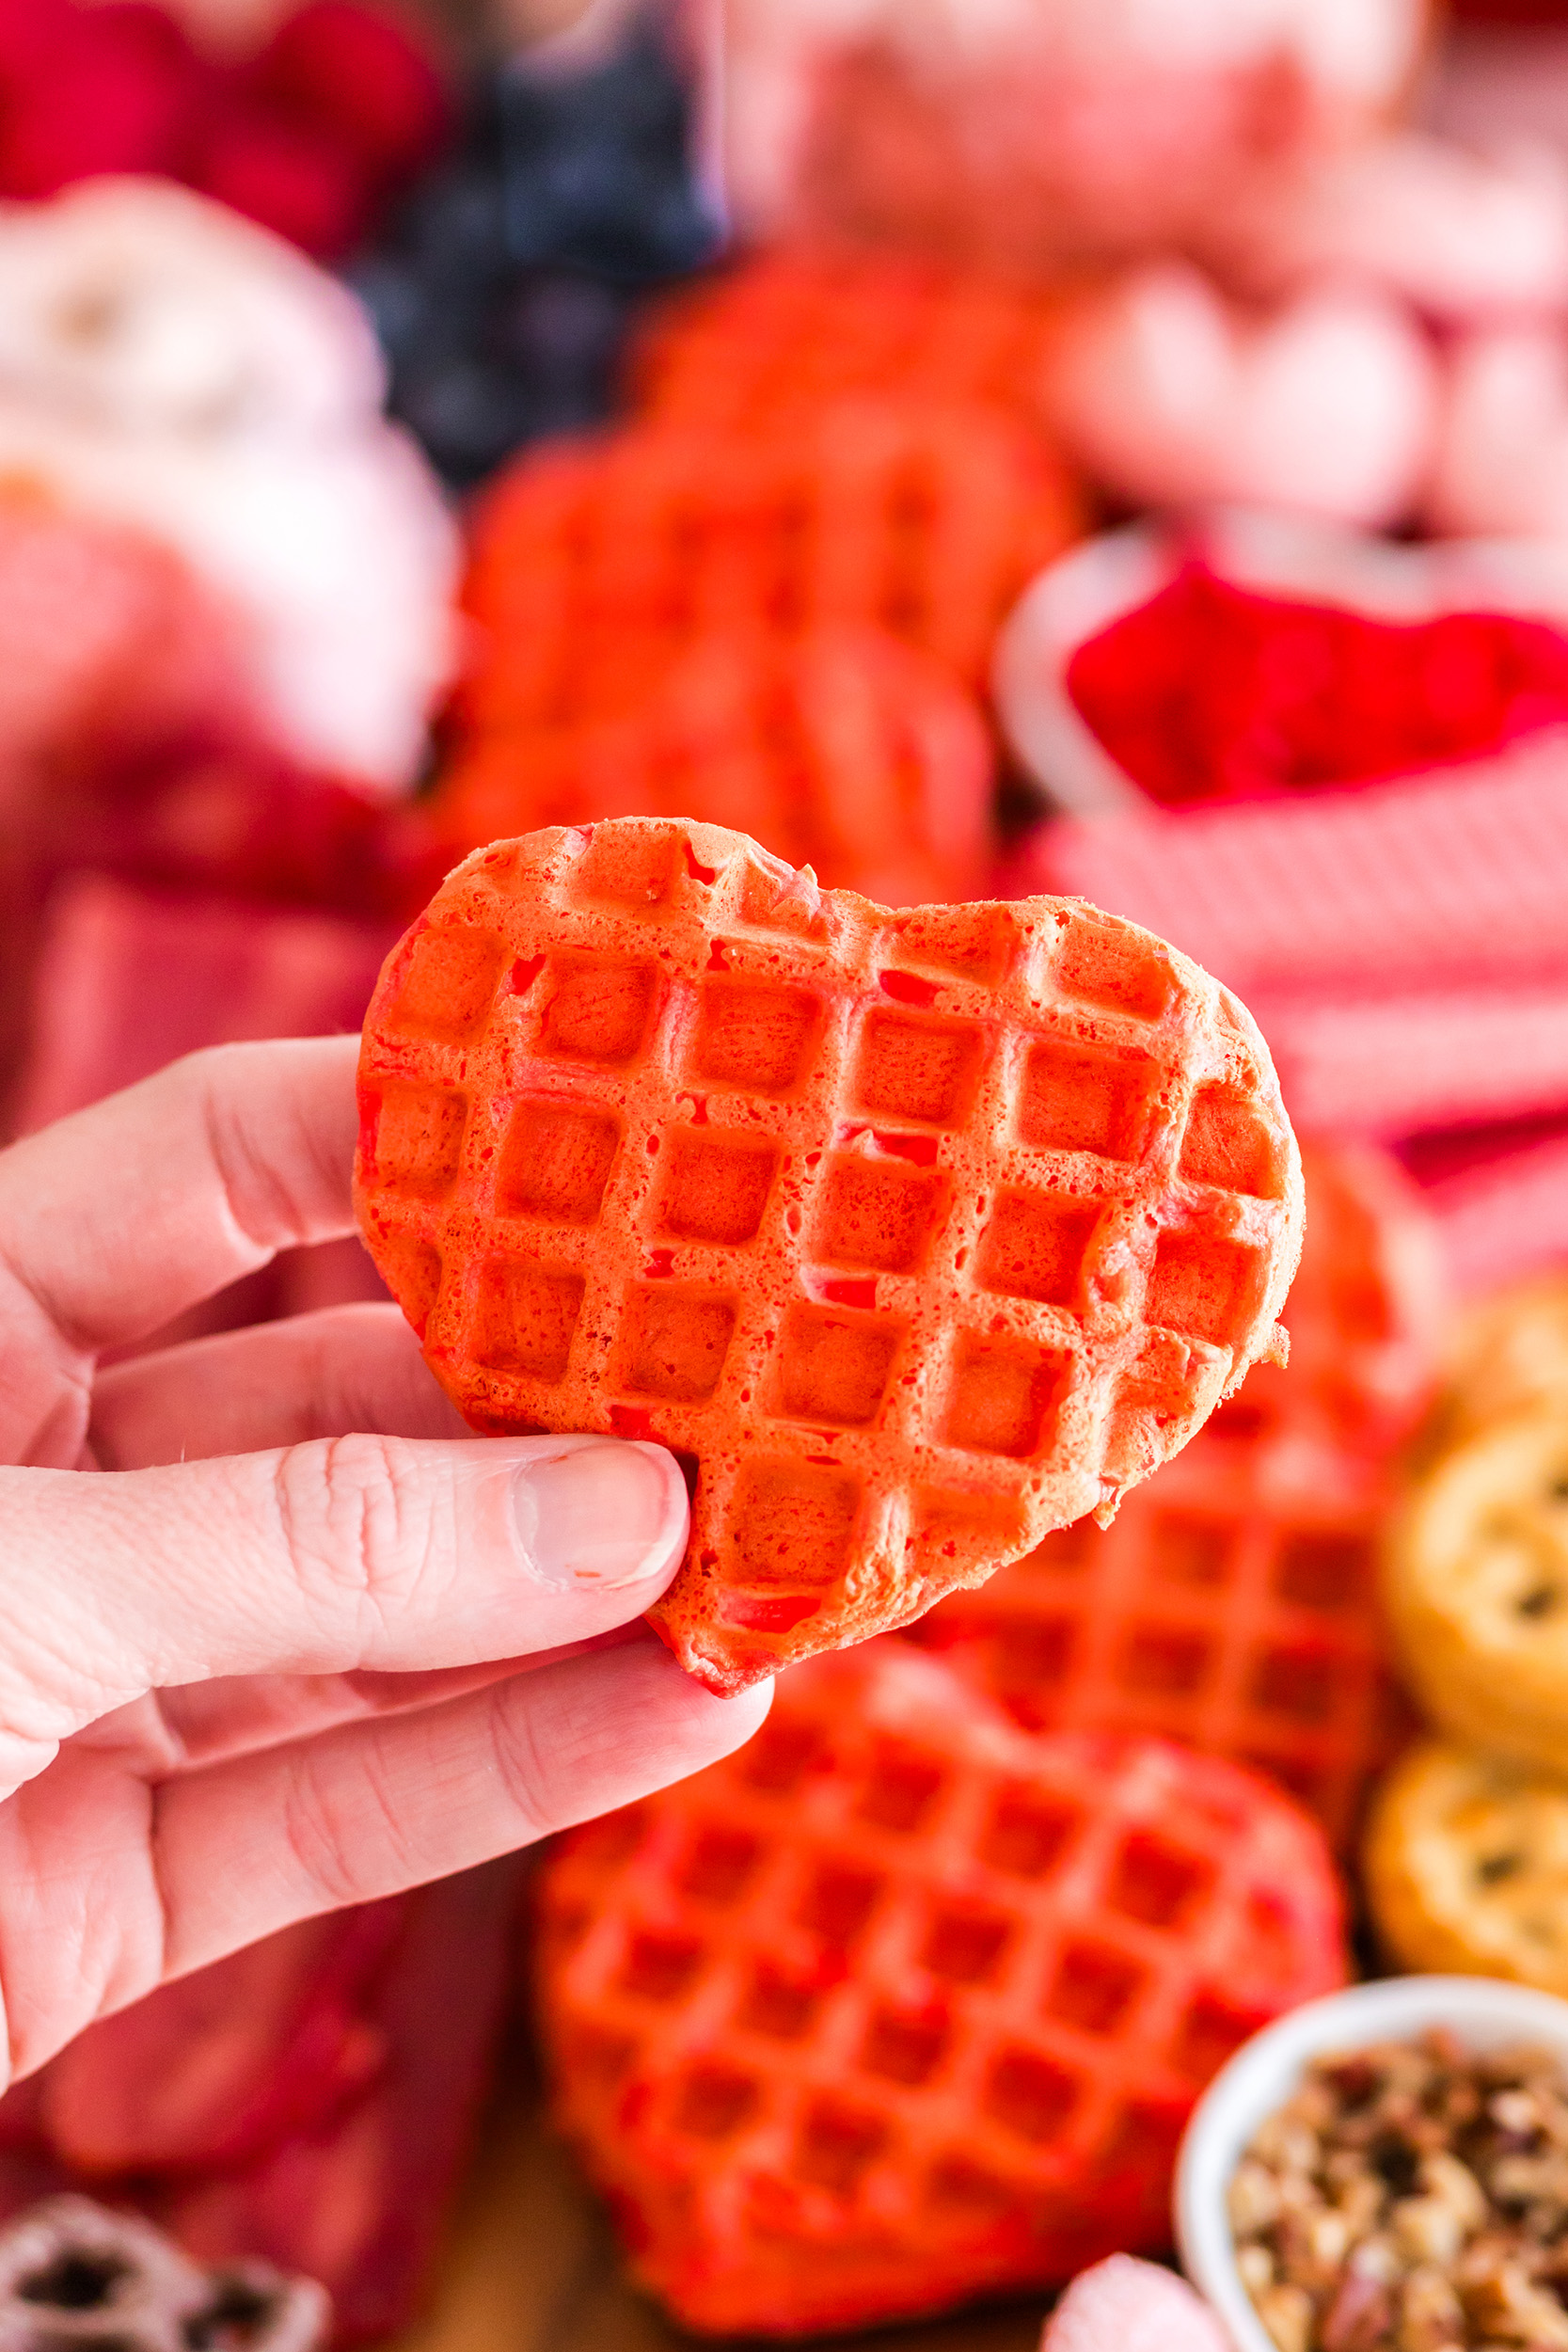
{"type": "Point", "coordinates": [1411, 2196]}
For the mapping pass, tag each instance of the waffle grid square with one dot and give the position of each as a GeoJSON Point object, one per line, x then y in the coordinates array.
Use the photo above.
{"type": "Point", "coordinates": [898, 1975]}
{"type": "Point", "coordinates": [907, 1271]}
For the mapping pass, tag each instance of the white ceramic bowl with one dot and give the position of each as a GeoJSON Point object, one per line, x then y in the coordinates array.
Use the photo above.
{"type": "Point", "coordinates": [1481, 2010]}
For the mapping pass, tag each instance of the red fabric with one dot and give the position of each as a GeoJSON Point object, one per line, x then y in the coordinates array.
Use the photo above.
{"type": "Point", "coordinates": [1214, 692]}
{"type": "Point", "coordinates": [291, 176]}
{"type": "Point", "coordinates": [114, 92]}
{"type": "Point", "coordinates": [311, 2100]}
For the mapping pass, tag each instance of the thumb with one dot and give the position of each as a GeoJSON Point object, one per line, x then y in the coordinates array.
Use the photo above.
{"type": "Point", "coordinates": [343, 1554]}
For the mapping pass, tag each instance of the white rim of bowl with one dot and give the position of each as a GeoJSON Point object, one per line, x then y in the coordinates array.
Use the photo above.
{"type": "Point", "coordinates": [1481, 2010]}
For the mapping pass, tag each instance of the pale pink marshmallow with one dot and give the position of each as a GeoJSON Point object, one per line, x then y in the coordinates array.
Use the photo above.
{"type": "Point", "coordinates": [1463, 236]}
{"type": "Point", "coordinates": [1502, 455]}
{"type": "Point", "coordinates": [1124, 2305]}
{"type": "Point", "coordinates": [165, 365]}
{"type": "Point", "coordinates": [1168, 396]}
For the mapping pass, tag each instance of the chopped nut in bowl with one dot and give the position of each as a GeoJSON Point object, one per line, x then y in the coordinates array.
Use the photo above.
{"type": "Point", "coordinates": [1387, 2170]}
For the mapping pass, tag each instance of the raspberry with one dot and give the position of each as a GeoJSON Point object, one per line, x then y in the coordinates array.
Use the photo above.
{"type": "Point", "coordinates": [292, 177]}
{"type": "Point", "coordinates": [359, 78]}
{"type": "Point", "coordinates": [114, 92]}
{"type": "Point", "coordinates": [899, 2006]}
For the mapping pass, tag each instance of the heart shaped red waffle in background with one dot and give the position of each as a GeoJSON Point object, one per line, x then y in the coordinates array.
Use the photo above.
{"type": "Point", "coordinates": [900, 2005]}
{"type": "Point", "coordinates": [1367, 1313]}
{"type": "Point", "coordinates": [923, 1233]}
{"type": "Point", "coordinates": [1235, 1602]}
{"type": "Point", "coordinates": [841, 749]}
{"type": "Point", "coordinates": [923, 517]}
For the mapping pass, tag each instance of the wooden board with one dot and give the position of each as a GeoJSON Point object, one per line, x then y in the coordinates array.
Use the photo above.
{"type": "Point", "coordinates": [531, 2266]}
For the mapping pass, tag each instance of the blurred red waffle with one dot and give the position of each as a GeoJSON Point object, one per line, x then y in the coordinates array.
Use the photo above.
{"type": "Point", "coordinates": [899, 2007]}
{"type": "Point", "coordinates": [1367, 1312]}
{"type": "Point", "coordinates": [1234, 1602]}
{"type": "Point", "coordinates": [841, 749]}
{"type": "Point", "coordinates": [919, 516]}
{"type": "Point", "coordinates": [795, 328]}
{"type": "Point", "coordinates": [922, 1232]}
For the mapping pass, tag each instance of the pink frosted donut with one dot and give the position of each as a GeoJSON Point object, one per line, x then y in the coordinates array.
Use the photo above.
{"type": "Point", "coordinates": [169, 367]}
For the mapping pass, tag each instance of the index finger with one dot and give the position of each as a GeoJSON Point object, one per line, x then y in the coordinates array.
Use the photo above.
{"type": "Point", "coordinates": [118, 1218]}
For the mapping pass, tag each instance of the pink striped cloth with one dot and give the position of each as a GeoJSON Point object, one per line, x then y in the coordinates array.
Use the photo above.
{"type": "Point", "coordinates": [1393, 1066]}
{"type": "Point", "coordinates": [1504, 1218]}
{"type": "Point", "coordinates": [1453, 878]}
{"type": "Point", "coordinates": [1405, 950]}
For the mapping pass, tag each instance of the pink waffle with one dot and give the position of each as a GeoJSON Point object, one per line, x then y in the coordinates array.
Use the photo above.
{"type": "Point", "coordinates": [920, 1232]}
{"type": "Point", "coordinates": [1233, 1605]}
{"type": "Point", "coordinates": [899, 2006]}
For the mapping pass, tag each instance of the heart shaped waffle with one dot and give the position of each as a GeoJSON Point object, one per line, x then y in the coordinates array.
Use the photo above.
{"type": "Point", "coordinates": [920, 518]}
{"type": "Point", "coordinates": [923, 1233]}
{"type": "Point", "coordinates": [900, 2005]}
{"type": "Point", "coordinates": [1368, 1311]}
{"type": "Point", "coordinates": [796, 326]}
{"type": "Point", "coordinates": [841, 748]}
{"type": "Point", "coordinates": [1235, 1603]}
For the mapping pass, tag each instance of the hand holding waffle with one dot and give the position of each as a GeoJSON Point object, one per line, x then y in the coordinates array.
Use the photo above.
{"type": "Point", "coordinates": [376, 1643]}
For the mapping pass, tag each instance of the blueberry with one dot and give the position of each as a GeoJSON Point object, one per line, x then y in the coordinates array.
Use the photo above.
{"type": "Point", "coordinates": [454, 228]}
{"type": "Point", "coordinates": [396, 297]}
{"type": "Point", "coordinates": [469, 412]}
{"type": "Point", "coordinates": [562, 329]}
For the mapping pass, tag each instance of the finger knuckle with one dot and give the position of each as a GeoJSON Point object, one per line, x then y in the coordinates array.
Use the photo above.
{"type": "Point", "coordinates": [344, 1832]}
{"type": "Point", "coordinates": [360, 1520]}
